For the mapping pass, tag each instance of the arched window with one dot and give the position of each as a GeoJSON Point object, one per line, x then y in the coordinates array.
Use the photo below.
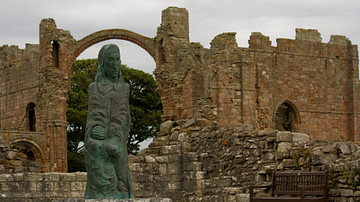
{"type": "Point", "coordinates": [286, 117]}
{"type": "Point", "coordinates": [30, 114]}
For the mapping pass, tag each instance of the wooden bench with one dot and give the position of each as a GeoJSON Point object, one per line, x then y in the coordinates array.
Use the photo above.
{"type": "Point", "coordinates": [294, 186]}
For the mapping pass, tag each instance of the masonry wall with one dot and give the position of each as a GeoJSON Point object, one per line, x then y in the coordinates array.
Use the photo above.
{"type": "Point", "coordinates": [316, 77]}
{"type": "Point", "coordinates": [193, 160]}
{"type": "Point", "coordinates": [233, 85]}
{"type": "Point", "coordinates": [19, 84]}
{"type": "Point", "coordinates": [41, 186]}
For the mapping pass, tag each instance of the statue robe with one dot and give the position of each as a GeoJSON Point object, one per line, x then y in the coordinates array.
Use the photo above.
{"type": "Point", "coordinates": [107, 159]}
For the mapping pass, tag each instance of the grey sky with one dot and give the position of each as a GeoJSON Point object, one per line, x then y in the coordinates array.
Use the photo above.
{"type": "Point", "coordinates": [20, 20]}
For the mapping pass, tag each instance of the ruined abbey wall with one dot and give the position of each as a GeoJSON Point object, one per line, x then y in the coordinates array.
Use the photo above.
{"type": "Point", "coordinates": [301, 85]}
{"type": "Point", "coordinates": [230, 84]}
{"type": "Point", "coordinates": [20, 80]}
{"type": "Point", "coordinates": [190, 161]}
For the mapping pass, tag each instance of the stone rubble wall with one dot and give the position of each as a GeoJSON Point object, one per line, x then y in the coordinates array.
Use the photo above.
{"type": "Point", "coordinates": [14, 161]}
{"type": "Point", "coordinates": [195, 160]}
{"type": "Point", "coordinates": [198, 161]}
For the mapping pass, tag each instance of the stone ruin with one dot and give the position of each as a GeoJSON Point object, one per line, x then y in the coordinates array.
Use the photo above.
{"type": "Point", "coordinates": [192, 161]}
{"type": "Point", "coordinates": [301, 85]}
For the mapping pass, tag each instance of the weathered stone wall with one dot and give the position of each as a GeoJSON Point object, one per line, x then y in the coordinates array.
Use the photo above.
{"type": "Point", "coordinates": [315, 84]}
{"type": "Point", "coordinates": [14, 161]}
{"type": "Point", "coordinates": [197, 161]}
{"type": "Point", "coordinates": [235, 85]}
{"type": "Point", "coordinates": [44, 187]}
{"type": "Point", "coordinates": [19, 84]}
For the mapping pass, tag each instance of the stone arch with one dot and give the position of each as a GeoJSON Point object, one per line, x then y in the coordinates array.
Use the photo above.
{"type": "Point", "coordinates": [148, 44]}
{"type": "Point", "coordinates": [286, 117]}
{"type": "Point", "coordinates": [32, 148]}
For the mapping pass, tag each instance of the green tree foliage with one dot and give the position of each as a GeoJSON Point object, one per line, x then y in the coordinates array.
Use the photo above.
{"type": "Point", "coordinates": [145, 106]}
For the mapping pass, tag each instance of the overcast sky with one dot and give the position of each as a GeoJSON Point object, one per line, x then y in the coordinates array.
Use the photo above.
{"type": "Point", "coordinates": [19, 20]}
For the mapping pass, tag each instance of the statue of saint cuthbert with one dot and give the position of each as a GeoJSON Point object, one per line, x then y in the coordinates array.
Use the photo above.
{"type": "Point", "coordinates": [107, 130]}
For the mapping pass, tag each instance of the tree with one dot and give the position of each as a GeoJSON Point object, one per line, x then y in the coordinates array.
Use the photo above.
{"type": "Point", "coordinates": [145, 106]}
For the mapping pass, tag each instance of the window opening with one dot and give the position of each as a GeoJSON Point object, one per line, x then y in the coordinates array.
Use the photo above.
{"type": "Point", "coordinates": [30, 112]}
{"type": "Point", "coordinates": [55, 53]}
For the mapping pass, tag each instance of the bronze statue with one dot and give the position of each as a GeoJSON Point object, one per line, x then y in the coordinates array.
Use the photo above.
{"type": "Point", "coordinates": [107, 130]}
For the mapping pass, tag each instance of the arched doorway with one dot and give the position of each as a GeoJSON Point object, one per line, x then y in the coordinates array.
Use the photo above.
{"type": "Point", "coordinates": [286, 117]}
{"type": "Point", "coordinates": [31, 151]}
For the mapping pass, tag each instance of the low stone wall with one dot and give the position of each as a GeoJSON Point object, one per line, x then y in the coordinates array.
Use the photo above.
{"type": "Point", "coordinates": [33, 187]}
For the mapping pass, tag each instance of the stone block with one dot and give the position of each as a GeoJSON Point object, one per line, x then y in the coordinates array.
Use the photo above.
{"type": "Point", "coordinates": [150, 159]}
{"type": "Point", "coordinates": [171, 149]}
{"type": "Point", "coordinates": [189, 123]}
{"type": "Point", "coordinates": [81, 176]}
{"type": "Point", "coordinates": [48, 186]}
{"type": "Point", "coordinates": [162, 159]}
{"type": "Point", "coordinates": [165, 128]}
{"type": "Point", "coordinates": [288, 163]}
{"type": "Point", "coordinates": [343, 148]}
{"type": "Point", "coordinates": [284, 136]}
{"type": "Point", "coordinates": [163, 169]}
{"type": "Point", "coordinates": [329, 148]}
{"type": "Point", "coordinates": [190, 156]}
{"type": "Point", "coordinates": [76, 186]}
{"type": "Point", "coordinates": [174, 186]}
{"type": "Point", "coordinates": [242, 197]}
{"type": "Point", "coordinates": [51, 176]}
{"type": "Point", "coordinates": [300, 138]}
{"type": "Point", "coordinates": [11, 155]}
{"type": "Point", "coordinates": [174, 136]}
{"type": "Point", "coordinates": [174, 168]}
{"type": "Point", "coordinates": [6, 186]}
{"type": "Point", "coordinates": [18, 176]}
{"type": "Point", "coordinates": [65, 186]}
{"type": "Point", "coordinates": [6, 177]}
{"type": "Point", "coordinates": [192, 166]}
{"type": "Point", "coordinates": [269, 156]}
{"type": "Point", "coordinates": [284, 147]}
{"type": "Point", "coordinates": [347, 192]}
{"type": "Point", "coordinates": [182, 137]}
{"type": "Point", "coordinates": [67, 177]}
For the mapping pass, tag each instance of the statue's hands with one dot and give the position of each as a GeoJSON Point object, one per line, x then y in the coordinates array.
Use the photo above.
{"type": "Point", "coordinates": [98, 133]}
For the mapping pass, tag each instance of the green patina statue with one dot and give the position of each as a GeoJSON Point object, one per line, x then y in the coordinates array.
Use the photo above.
{"type": "Point", "coordinates": [107, 130]}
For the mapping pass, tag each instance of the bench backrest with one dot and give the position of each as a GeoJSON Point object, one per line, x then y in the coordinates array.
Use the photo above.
{"type": "Point", "coordinates": [288, 183]}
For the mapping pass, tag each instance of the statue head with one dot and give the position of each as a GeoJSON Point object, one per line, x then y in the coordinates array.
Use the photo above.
{"type": "Point", "coordinates": [109, 64]}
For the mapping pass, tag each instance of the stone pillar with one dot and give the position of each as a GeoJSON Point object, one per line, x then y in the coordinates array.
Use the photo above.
{"type": "Point", "coordinates": [172, 37]}
{"type": "Point", "coordinates": [175, 22]}
{"type": "Point", "coordinates": [56, 47]}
